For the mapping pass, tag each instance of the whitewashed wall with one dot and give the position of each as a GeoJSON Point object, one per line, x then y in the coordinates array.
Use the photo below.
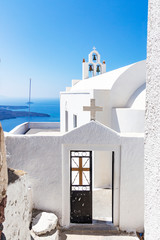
{"type": "Point", "coordinates": [128, 120]}
{"type": "Point", "coordinates": [152, 128]}
{"type": "Point", "coordinates": [102, 99]}
{"type": "Point", "coordinates": [94, 137]}
{"type": "Point", "coordinates": [41, 157]}
{"type": "Point", "coordinates": [18, 210]}
{"type": "Point", "coordinates": [73, 103]}
{"type": "Point", "coordinates": [127, 83]}
{"type": "Point", "coordinates": [132, 183]}
{"type": "Point", "coordinates": [102, 169]}
{"type": "Point", "coordinates": [110, 91]}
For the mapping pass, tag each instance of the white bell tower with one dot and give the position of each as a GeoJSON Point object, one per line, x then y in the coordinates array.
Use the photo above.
{"type": "Point", "coordinates": [93, 67]}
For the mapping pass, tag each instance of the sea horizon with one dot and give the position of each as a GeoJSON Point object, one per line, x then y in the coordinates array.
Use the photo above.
{"type": "Point", "coordinates": [49, 106]}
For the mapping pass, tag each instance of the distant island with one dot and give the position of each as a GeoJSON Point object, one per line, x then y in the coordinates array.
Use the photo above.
{"type": "Point", "coordinates": [12, 107]}
{"type": "Point", "coordinates": [7, 113]}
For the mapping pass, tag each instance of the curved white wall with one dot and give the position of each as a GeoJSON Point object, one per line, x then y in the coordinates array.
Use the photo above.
{"type": "Point", "coordinates": [127, 83]}
{"type": "Point", "coordinates": [128, 120]}
{"type": "Point", "coordinates": [137, 100]}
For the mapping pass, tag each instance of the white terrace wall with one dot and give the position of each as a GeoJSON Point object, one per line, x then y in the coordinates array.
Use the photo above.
{"type": "Point", "coordinates": [132, 183]}
{"type": "Point", "coordinates": [42, 157]}
{"type": "Point", "coordinates": [24, 127]}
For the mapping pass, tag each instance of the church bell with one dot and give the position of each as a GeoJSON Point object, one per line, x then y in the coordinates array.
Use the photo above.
{"type": "Point", "coordinates": [90, 68]}
{"type": "Point", "coordinates": [98, 68]}
{"type": "Point", "coordinates": [94, 57]}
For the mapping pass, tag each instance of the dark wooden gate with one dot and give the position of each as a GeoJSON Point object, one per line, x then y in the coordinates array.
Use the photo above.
{"type": "Point", "coordinates": [81, 186]}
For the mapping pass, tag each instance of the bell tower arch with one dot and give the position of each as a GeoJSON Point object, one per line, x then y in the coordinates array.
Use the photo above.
{"type": "Point", "coordinates": [93, 67]}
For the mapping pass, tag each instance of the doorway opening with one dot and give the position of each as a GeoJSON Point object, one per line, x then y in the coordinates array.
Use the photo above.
{"type": "Point", "coordinates": [91, 186]}
{"type": "Point", "coordinates": [103, 186]}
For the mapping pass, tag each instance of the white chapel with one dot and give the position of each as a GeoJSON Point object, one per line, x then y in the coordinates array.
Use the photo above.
{"type": "Point", "coordinates": [89, 167]}
{"type": "Point", "coordinates": [120, 93]}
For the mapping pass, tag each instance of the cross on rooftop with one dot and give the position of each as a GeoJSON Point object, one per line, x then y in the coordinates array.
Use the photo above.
{"type": "Point", "coordinates": [94, 48]}
{"type": "Point", "coordinates": [92, 109]}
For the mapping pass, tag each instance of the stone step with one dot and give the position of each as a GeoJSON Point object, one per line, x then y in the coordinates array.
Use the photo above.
{"type": "Point", "coordinates": [95, 235]}
{"type": "Point", "coordinates": [96, 231]}
{"type": "Point", "coordinates": [91, 227]}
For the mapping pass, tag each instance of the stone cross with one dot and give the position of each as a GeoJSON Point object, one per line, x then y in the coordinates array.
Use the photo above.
{"type": "Point", "coordinates": [94, 48]}
{"type": "Point", "coordinates": [92, 109]}
{"type": "Point", "coordinates": [3, 179]}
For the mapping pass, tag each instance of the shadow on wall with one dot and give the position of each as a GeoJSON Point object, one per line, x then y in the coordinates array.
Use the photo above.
{"type": "Point", "coordinates": [115, 122]}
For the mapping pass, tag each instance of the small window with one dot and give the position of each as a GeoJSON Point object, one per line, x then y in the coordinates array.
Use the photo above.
{"type": "Point", "coordinates": [74, 121]}
{"type": "Point", "coordinates": [66, 121]}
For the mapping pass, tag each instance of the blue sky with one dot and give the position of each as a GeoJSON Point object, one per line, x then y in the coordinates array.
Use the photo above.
{"type": "Point", "coordinates": [46, 40]}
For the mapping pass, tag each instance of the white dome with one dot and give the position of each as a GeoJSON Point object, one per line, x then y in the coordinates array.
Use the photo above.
{"type": "Point", "coordinates": [102, 81]}
{"type": "Point", "coordinates": [122, 83]}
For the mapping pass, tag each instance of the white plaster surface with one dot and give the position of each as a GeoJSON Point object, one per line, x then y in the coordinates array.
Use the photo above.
{"type": "Point", "coordinates": [128, 120]}
{"type": "Point", "coordinates": [18, 210]}
{"type": "Point", "coordinates": [20, 129]}
{"type": "Point", "coordinates": [73, 103]}
{"type": "Point", "coordinates": [127, 83]}
{"type": "Point", "coordinates": [132, 184]}
{"type": "Point", "coordinates": [24, 127]}
{"type": "Point", "coordinates": [45, 125]}
{"type": "Point", "coordinates": [103, 100]}
{"type": "Point", "coordinates": [122, 82]}
{"type": "Point", "coordinates": [75, 81]}
{"type": "Point", "coordinates": [103, 81]}
{"type": "Point", "coordinates": [120, 88]}
{"type": "Point", "coordinates": [137, 100]}
{"type": "Point", "coordinates": [40, 157]}
{"type": "Point", "coordinates": [46, 160]}
{"type": "Point", "coordinates": [152, 128]}
{"type": "Point", "coordinates": [102, 169]}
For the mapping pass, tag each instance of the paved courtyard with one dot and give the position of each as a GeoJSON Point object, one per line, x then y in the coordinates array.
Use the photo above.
{"type": "Point", "coordinates": [102, 204]}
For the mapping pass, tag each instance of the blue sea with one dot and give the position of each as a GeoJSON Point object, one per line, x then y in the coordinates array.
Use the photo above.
{"type": "Point", "coordinates": [49, 106]}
